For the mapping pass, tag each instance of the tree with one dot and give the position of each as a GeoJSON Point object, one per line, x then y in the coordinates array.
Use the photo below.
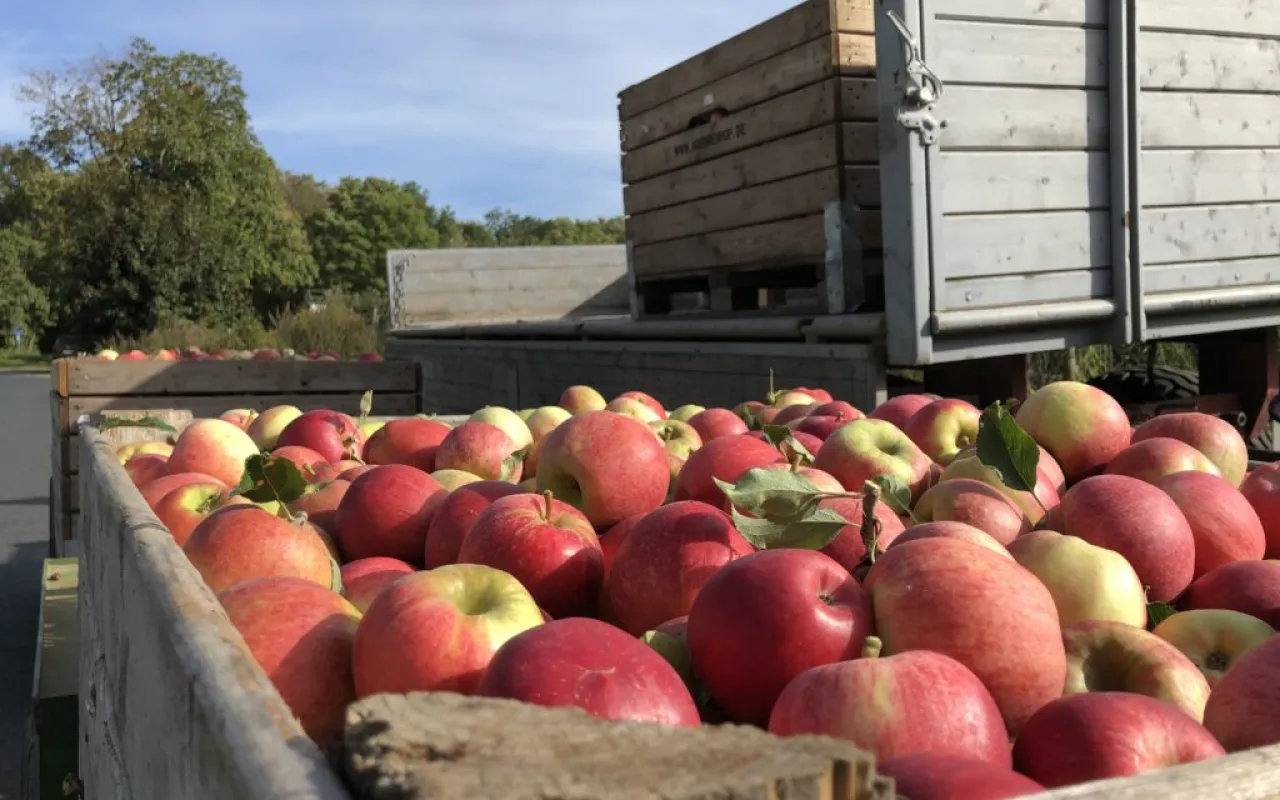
{"type": "Point", "coordinates": [304, 193]}
{"type": "Point", "coordinates": [169, 204]}
{"type": "Point", "coordinates": [512, 230]}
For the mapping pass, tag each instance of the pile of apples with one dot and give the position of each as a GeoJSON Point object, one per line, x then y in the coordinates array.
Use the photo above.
{"type": "Point", "coordinates": [225, 354]}
{"type": "Point", "coordinates": [980, 636]}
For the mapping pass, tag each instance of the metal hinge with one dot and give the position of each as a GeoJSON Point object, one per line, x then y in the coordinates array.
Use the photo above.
{"type": "Point", "coordinates": [397, 293]}
{"type": "Point", "coordinates": [923, 91]}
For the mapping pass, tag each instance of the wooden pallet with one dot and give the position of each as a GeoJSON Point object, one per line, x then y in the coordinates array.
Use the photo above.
{"type": "Point", "coordinates": [751, 171]}
{"type": "Point", "coordinates": [91, 387]}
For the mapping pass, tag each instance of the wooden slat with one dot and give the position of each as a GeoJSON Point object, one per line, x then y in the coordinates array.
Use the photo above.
{"type": "Point", "coordinates": [1209, 63]}
{"type": "Point", "coordinates": [1242, 17]}
{"type": "Point", "coordinates": [494, 304]}
{"type": "Point", "coordinates": [1020, 181]}
{"type": "Point", "coordinates": [1203, 177]}
{"type": "Point", "coordinates": [1043, 287]}
{"type": "Point", "coordinates": [1019, 55]}
{"type": "Point", "coordinates": [1025, 119]}
{"type": "Point", "coordinates": [1249, 775]}
{"type": "Point", "coordinates": [88, 376]}
{"type": "Point", "coordinates": [801, 110]}
{"type": "Point", "coordinates": [1006, 244]}
{"type": "Point", "coordinates": [1206, 233]}
{"type": "Point", "coordinates": [1038, 12]}
{"type": "Point", "coordinates": [1182, 120]}
{"type": "Point", "coordinates": [824, 57]}
{"type": "Point", "coordinates": [1210, 274]}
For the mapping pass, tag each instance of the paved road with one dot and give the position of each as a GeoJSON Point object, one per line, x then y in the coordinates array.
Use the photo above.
{"type": "Point", "coordinates": [24, 542]}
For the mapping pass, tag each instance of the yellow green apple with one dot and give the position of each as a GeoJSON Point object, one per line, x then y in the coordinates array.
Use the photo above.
{"type": "Point", "coordinates": [1087, 582]}
{"type": "Point", "coordinates": [507, 421]}
{"type": "Point", "coordinates": [1213, 638]}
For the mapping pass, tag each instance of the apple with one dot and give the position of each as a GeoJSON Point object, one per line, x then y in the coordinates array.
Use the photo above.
{"type": "Point", "coordinates": [304, 458]}
{"type": "Point", "coordinates": [1080, 425]}
{"type": "Point", "coordinates": [974, 503]}
{"type": "Point", "coordinates": [355, 472]}
{"type": "Point", "coordinates": [266, 354]}
{"type": "Point", "coordinates": [1138, 521]}
{"type": "Point", "coordinates": [266, 428]}
{"type": "Point", "coordinates": [673, 646]}
{"type": "Point", "coordinates": [898, 410]}
{"type": "Point", "coordinates": [145, 468]}
{"type": "Point", "coordinates": [648, 400]}
{"type": "Point", "coordinates": [182, 509]}
{"type": "Point", "coordinates": [437, 630]}
{"type": "Point", "coordinates": [547, 545]}
{"type": "Point", "coordinates": [1034, 505]}
{"type": "Point", "coordinates": [1250, 587]}
{"type": "Point", "coordinates": [1262, 489]}
{"type": "Point", "coordinates": [593, 666]}
{"type": "Point", "coordinates": [848, 548]}
{"type": "Point", "coordinates": [301, 635]}
{"type": "Point", "coordinates": [1213, 639]}
{"type": "Point", "coordinates": [789, 453]}
{"type": "Point", "coordinates": [214, 447]}
{"type": "Point", "coordinates": [410, 441]}
{"type": "Point", "coordinates": [789, 398]}
{"type": "Point", "coordinates": [793, 413]}
{"type": "Point", "coordinates": [749, 412]}
{"type": "Point", "coordinates": [678, 438]}
{"type": "Point", "coordinates": [242, 418]}
{"type": "Point", "coordinates": [980, 608]}
{"type": "Point", "coordinates": [387, 512]}
{"type": "Point", "coordinates": [665, 560]}
{"type": "Point", "coordinates": [944, 426]}
{"type": "Point", "coordinates": [507, 421]}
{"type": "Point", "coordinates": [1087, 737]}
{"type": "Point", "coordinates": [944, 776]}
{"type": "Point", "coordinates": [369, 356]}
{"type": "Point", "coordinates": [108, 355]}
{"type": "Point", "coordinates": [126, 452]}
{"type": "Point", "coordinates": [916, 702]}
{"type": "Point", "coordinates": [320, 501]}
{"type": "Point", "coordinates": [133, 355]}
{"type": "Point", "coordinates": [689, 411]}
{"type": "Point", "coordinates": [763, 619]}
{"type": "Point", "coordinates": [364, 578]}
{"type": "Point", "coordinates": [456, 514]}
{"type": "Point", "coordinates": [156, 489]}
{"type": "Point", "coordinates": [1087, 582]}
{"type": "Point", "coordinates": [949, 530]}
{"type": "Point", "coordinates": [1216, 438]}
{"type": "Point", "coordinates": [581, 399]}
{"type": "Point", "coordinates": [239, 542]}
{"type": "Point", "coordinates": [836, 408]}
{"type": "Point", "coordinates": [726, 459]}
{"type": "Point", "coordinates": [606, 465]}
{"type": "Point", "coordinates": [1225, 526]}
{"type": "Point", "coordinates": [332, 434]}
{"type": "Point", "coordinates": [481, 449]}
{"type": "Point", "coordinates": [452, 479]}
{"type": "Point", "coordinates": [636, 409]}
{"type": "Point", "coordinates": [1244, 710]}
{"type": "Point", "coordinates": [714, 423]}
{"type": "Point", "coordinates": [330, 471]}
{"type": "Point", "coordinates": [544, 420]}
{"type": "Point", "coordinates": [865, 448]}
{"type": "Point", "coordinates": [1153, 459]}
{"type": "Point", "coordinates": [1114, 656]}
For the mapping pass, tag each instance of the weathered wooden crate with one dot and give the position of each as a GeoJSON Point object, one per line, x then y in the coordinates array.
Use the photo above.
{"type": "Point", "coordinates": [751, 170]}
{"type": "Point", "coordinates": [204, 388]}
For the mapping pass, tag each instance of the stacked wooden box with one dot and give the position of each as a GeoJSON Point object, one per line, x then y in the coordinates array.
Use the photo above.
{"type": "Point", "coordinates": [751, 170]}
{"type": "Point", "coordinates": [205, 388]}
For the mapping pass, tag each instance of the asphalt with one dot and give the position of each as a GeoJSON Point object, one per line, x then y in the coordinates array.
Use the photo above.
{"type": "Point", "coordinates": [24, 543]}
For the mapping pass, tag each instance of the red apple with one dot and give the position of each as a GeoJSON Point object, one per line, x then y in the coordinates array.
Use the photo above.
{"type": "Point", "coordinates": [836, 408]}
{"type": "Point", "coordinates": [980, 608]}
{"type": "Point", "coordinates": [974, 503]}
{"type": "Point", "coordinates": [944, 426]}
{"type": "Point", "coordinates": [154, 491]}
{"type": "Point", "coordinates": [182, 509]}
{"type": "Point", "coordinates": [320, 503]}
{"type": "Point", "coordinates": [1034, 505]}
{"type": "Point", "coordinates": [454, 517]}
{"type": "Point", "coordinates": [242, 418]}
{"type": "Point", "coordinates": [665, 560]}
{"type": "Point", "coordinates": [820, 427]}
{"type": "Point", "coordinates": [481, 449]}
{"type": "Point", "coordinates": [1087, 737]}
{"type": "Point", "coordinates": [610, 542]}
{"type": "Point", "coordinates": [1138, 521]}
{"type": "Point", "coordinates": [949, 530]}
{"type": "Point", "coordinates": [1262, 489]}
{"type": "Point", "coordinates": [304, 458]}
{"type": "Point", "coordinates": [547, 545]}
{"type": "Point", "coordinates": [1080, 425]}
{"type": "Point", "coordinates": [648, 400]}
{"type": "Point", "coordinates": [386, 512]}
{"type": "Point", "coordinates": [865, 448]}
{"type": "Point", "coordinates": [1225, 526]}
{"type": "Point", "coordinates": [580, 399]}
{"type": "Point", "coordinates": [717, 422]}
{"type": "Point", "coordinates": [916, 702]}
{"type": "Point", "coordinates": [636, 409]}
{"type": "Point", "coordinates": [788, 414]}
{"type": "Point", "coordinates": [897, 410]}
{"type": "Point", "coordinates": [1250, 587]}
{"type": "Point", "coordinates": [301, 635]}
{"type": "Point", "coordinates": [411, 441]}
{"type": "Point", "coordinates": [1153, 459]}
{"type": "Point", "coordinates": [214, 447]}
{"type": "Point", "coordinates": [355, 472]}
{"type": "Point", "coordinates": [1244, 710]}
{"type": "Point", "coordinates": [1216, 438]}
{"type": "Point", "coordinates": [331, 471]}
{"type": "Point", "coordinates": [370, 356]}
{"type": "Point", "coordinates": [266, 428]}
{"type": "Point", "coordinates": [364, 578]}
{"type": "Point", "coordinates": [726, 458]}
{"type": "Point", "coordinates": [789, 454]}
{"type": "Point", "coordinates": [332, 434]}
{"type": "Point", "coordinates": [438, 630]}
{"type": "Point", "coordinates": [763, 619]}
{"type": "Point", "coordinates": [593, 666]}
{"type": "Point", "coordinates": [145, 468]}
{"type": "Point", "coordinates": [606, 465]}
{"type": "Point", "coordinates": [240, 542]}
{"type": "Point", "coordinates": [943, 776]}
{"type": "Point", "coordinates": [848, 548]}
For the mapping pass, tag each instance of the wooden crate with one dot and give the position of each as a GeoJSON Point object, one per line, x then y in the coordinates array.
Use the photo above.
{"type": "Point", "coordinates": [203, 388]}
{"type": "Point", "coordinates": [751, 170]}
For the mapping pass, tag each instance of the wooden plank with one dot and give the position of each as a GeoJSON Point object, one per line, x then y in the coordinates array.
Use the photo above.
{"type": "Point", "coordinates": [494, 304]}
{"type": "Point", "coordinates": [1250, 18]}
{"type": "Point", "coordinates": [1179, 120]}
{"type": "Point", "coordinates": [824, 57]}
{"type": "Point", "coordinates": [1038, 12]}
{"type": "Point", "coordinates": [818, 104]}
{"type": "Point", "coordinates": [546, 259]}
{"type": "Point", "coordinates": [1017, 118]}
{"type": "Point", "coordinates": [1247, 775]}
{"type": "Point", "coordinates": [87, 376]}
{"type": "Point", "coordinates": [791, 197]}
{"type": "Point", "coordinates": [1189, 62]}
{"type": "Point", "coordinates": [1019, 55]}
{"type": "Point", "coordinates": [1009, 290]}
{"type": "Point", "coordinates": [1209, 233]}
{"type": "Point", "coordinates": [586, 281]}
{"type": "Point", "coordinates": [783, 243]}
{"type": "Point", "coordinates": [1007, 244]}
{"type": "Point", "coordinates": [1203, 177]}
{"type": "Point", "coordinates": [57, 654]}
{"type": "Point", "coordinates": [1194, 275]}
{"type": "Point", "coordinates": [190, 684]}
{"type": "Point", "coordinates": [1024, 182]}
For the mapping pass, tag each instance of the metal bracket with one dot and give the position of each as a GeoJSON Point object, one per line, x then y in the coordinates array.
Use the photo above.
{"type": "Point", "coordinates": [397, 293]}
{"type": "Point", "coordinates": [923, 91]}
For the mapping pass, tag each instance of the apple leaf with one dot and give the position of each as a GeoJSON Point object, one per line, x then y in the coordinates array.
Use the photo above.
{"type": "Point", "coordinates": [154, 423]}
{"type": "Point", "coordinates": [513, 462]}
{"type": "Point", "coordinates": [776, 434]}
{"type": "Point", "coordinates": [812, 532]}
{"type": "Point", "coordinates": [1006, 448]}
{"type": "Point", "coordinates": [894, 493]}
{"type": "Point", "coordinates": [335, 577]}
{"type": "Point", "coordinates": [270, 478]}
{"type": "Point", "coordinates": [799, 449]}
{"type": "Point", "coordinates": [1158, 612]}
{"type": "Point", "coordinates": [775, 494]}
{"type": "Point", "coordinates": [366, 404]}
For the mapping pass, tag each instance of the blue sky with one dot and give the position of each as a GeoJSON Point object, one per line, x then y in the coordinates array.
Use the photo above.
{"type": "Point", "coordinates": [486, 103]}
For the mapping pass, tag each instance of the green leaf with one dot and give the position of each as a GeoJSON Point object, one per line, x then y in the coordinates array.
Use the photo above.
{"type": "Point", "coordinates": [776, 434]}
{"type": "Point", "coordinates": [674, 651]}
{"type": "Point", "coordinates": [894, 493]}
{"type": "Point", "coordinates": [775, 494]}
{"type": "Point", "coordinates": [366, 406]}
{"type": "Point", "coordinates": [268, 478]}
{"type": "Point", "coordinates": [800, 450]}
{"type": "Point", "coordinates": [1158, 612]}
{"type": "Point", "coordinates": [335, 577]}
{"type": "Point", "coordinates": [512, 462]}
{"type": "Point", "coordinates": [1006, 448]}
{"type": "Point", "coordinates": [154, 423]}
{"type": "Point", "coordinates": [813, 532]}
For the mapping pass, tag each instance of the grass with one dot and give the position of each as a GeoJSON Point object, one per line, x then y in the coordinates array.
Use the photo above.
{"type": "Point", "coordinates": [22, 359]}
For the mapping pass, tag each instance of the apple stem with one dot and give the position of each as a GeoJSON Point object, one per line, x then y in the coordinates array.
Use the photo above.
{"type": "Point", "coordinates": [547, 498]}
{"type": "Point", "coordinates": [871, 647]}
{"type": "Point", "coordinates": [870, 528]}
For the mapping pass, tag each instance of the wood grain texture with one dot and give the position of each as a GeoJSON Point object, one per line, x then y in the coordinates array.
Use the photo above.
{"type": "Point", "coordinates": [1000, 244]}
{"type": "Point", "coordinates": [87, 376]}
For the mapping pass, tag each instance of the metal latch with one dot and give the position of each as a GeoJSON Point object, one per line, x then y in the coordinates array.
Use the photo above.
{"type": "Point", "coordinates": [924, 88]}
